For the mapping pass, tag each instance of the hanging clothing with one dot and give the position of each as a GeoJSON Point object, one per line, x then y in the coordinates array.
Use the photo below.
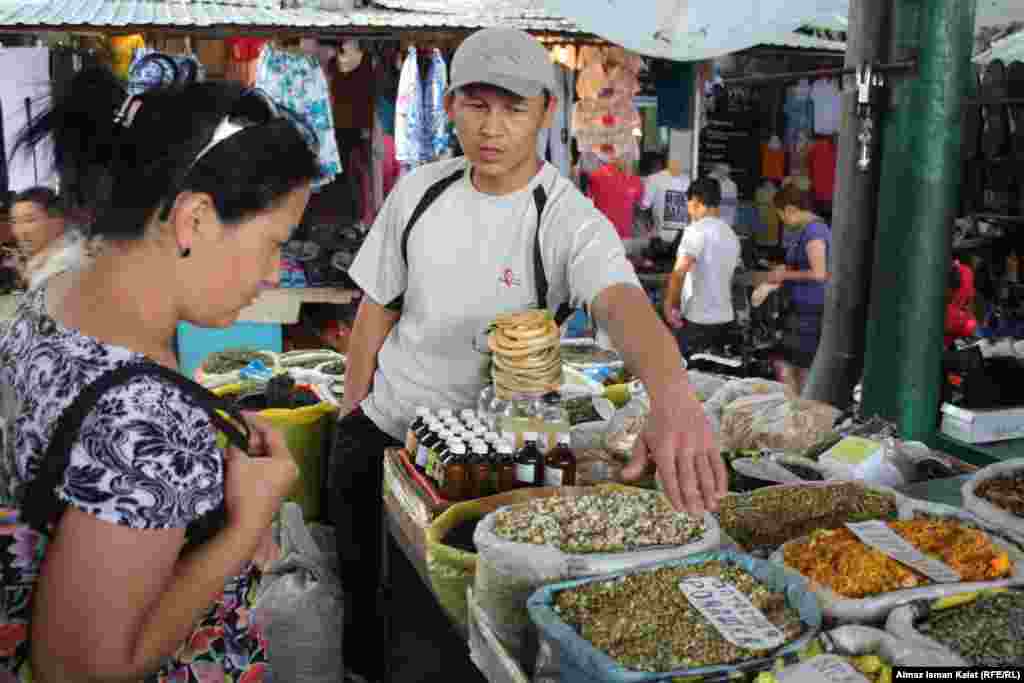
{"type": "Point", "coordinates": [558, 144]}
{"type": "Point", "coordinates": [243, 57]}
{"type": "Point", "coordinates": [435, 118]}
{"type": "Point", "coordinates": [23, 89]}
{"type": "Point", "coordinates": [673, 83]}
{"type": "Point", "coordinates": [773, 159]}
{"type": "Point", "coordinates": [616, 195]}
{"type": "Point", "coordinates": [828, 106]}
{"type": "Point", "coordinates": [799, 111]}
{"type": "Point", "coordinates": [122, 51]}
{"type": "Point", "coordinates": [298, 82]}
{"type": "Point", "coordinates": [822, 159]}
{"type": "Point", "coordinates": [352, 95]}
{"type": "Point", "coordinates": [409, 114]}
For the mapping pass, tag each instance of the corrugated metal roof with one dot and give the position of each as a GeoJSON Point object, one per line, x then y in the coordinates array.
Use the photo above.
{"type": "Point", "coordinates": [803, 42]}
{"type": "Point", "coordinates": [503, 8]}
{"type": "Point", "coordinates": [250, 13]}
{"type": "Point", "coordinates": [1010, 49]}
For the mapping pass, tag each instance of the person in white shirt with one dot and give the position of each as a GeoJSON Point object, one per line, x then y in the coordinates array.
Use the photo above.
{"type": "Point", "coordinates": [665, 196]}
{"type": "Point", "coordinates": [698, 298]}
{"type": "Point", "coordinates": [455, 245]}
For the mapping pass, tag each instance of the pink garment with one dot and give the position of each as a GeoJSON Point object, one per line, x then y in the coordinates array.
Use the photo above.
{"type": "Point", "coordinates": [390, 169]}
{"type": "Point", "coordinates": [616, 195]}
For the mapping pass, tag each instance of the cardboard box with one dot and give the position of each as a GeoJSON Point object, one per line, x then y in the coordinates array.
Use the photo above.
{"type": "Point", "coordinates": [982, 426]}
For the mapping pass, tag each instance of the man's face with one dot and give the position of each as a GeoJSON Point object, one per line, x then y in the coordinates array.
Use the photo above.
{"type": "Point", "coordinates": [696, 208]}
{"type": "Point", "coordinates": [498, 131]}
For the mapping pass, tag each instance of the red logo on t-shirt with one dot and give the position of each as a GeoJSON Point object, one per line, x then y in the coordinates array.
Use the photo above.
{"type": "Point", "coordinates": [509, 279]}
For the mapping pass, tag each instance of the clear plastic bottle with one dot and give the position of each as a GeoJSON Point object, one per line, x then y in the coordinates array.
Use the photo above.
{"type": "Point", "coordinates": [551, 413]}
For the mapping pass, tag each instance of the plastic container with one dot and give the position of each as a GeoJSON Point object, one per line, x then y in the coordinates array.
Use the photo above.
{"type": "Point", "coordinates": [876, 609]}
{"type": "Point", "coordinates": [580, 662]}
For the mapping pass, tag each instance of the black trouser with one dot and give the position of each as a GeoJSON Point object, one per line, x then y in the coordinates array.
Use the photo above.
{"type": "Point", "coordinates": [358, 462]}
{"type": "Point", "coordinates": [694, 337]}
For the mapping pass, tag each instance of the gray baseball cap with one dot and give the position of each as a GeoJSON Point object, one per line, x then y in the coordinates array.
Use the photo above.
{"type": "Point", "coordinates": [505, 57]}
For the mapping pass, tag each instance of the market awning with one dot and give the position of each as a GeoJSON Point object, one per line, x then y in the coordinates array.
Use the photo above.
{"type": "Point", "coordinates": [266, 15]}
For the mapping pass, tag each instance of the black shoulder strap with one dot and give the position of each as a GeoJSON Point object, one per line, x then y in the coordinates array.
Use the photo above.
{"type": "Point", "coordinates": [41, 507]}
{"type": "Point", "coordinates": [540, 199]}
{"type": "Point", "coordinates": [428, 198]}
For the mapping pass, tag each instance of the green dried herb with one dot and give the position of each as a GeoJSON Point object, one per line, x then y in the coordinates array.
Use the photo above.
{"type": "Point", "coordinates": [987, 632]}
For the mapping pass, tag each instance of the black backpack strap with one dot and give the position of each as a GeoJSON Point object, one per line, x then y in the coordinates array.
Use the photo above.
{"type": "Point", "coordinates": [428, 198]}
{"type": "Point", "coordinates": [540, 199]}
{"type": "Point", "coordinates": [41, 507]}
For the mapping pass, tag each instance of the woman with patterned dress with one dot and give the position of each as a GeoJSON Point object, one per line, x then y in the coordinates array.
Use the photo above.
{"type": "Point", "coordinates": [194, 189]}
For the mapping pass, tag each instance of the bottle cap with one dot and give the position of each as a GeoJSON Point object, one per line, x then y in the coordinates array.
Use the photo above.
{"type": "Point", "coordinates": [457, 448]}
{"type": "Point", "coordinates": [479, 429]}
{"type": "Point", "coordinates": [479, 447]}
{"type": "Point", "coordinates": [468, 414]}
{"type": "Point", "coordinates": [505, 448]}
{"type": "Point", "coordinates": [457, 429]}
{"type": "Point", "coordinates": [444, 434]}
{"type": "Point", "coordinates": [435, 425]}
{"type": "Point", "coordinates": [422, 411]}
{"type": "Point", "coordinates": [454, 440]}
{"type": "Point", "coordinates": [491, 437]}
{"type": "Point", "coordinates": [530, 436]}
{"type": "Point", "coordinates": [564, 439]}
{"type": "Point", "coordinates": [445, 413]}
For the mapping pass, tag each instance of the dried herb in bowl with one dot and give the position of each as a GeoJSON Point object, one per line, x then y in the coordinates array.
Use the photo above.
{"type": "Point", "coordinates": [223, 362]}
{"type": "Point", "coordinates": [770, 517]}
{"type": "Point", "coordinates": [839, 560]}
{"type": "Point", "coordinates": [644, 621]}
{"type": "Point", "coordinates": [1006, 493]}
{"type": "Point", "coordinates": [599, 523]}
{"type": "Point", "coordinates": [986, 632]}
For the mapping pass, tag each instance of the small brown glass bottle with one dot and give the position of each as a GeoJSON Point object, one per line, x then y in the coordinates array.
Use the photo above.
{"type": "Point", "coordinates": [529, 463]}
{"type": "Point", "coordinates": [480, 470]}
{"type": "Point", "coordinates": [429, 439]}
{"type": "Point", "coordinates": [560, 464]}
{"type": "Point", "coordinates": [455, 473]}
{"type": "Point", "coordinates": [506, 467]}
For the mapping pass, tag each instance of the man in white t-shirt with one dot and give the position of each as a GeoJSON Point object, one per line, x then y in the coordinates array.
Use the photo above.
{"type": "Point", "coordinates": [454, 246]}
{"type": "Point", "coordinates": [665, 197]}
{"type": "Point", "coordinates": [698, 300]}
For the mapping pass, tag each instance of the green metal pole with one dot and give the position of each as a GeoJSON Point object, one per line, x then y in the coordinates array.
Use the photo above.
{"type": "Point", "coordinates": [920, 184]}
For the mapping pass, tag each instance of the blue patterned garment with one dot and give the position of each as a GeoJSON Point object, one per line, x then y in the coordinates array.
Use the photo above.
{"type": "Point", "coordinates": [435, 119]}
{"type": "Point", "coordinates": [298, 83]}
{"type": "Point", "coordinates": [409, 149]}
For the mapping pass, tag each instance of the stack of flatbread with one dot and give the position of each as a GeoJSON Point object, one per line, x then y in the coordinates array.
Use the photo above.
{"type": "Point", "coordinates": [527, 355]}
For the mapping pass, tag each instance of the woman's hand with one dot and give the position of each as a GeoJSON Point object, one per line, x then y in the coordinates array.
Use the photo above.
{"type": "Point", "coordinates": [255, 485]}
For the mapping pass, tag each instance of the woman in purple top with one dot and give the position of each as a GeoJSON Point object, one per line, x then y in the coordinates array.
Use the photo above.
{"type": "Point", "coordinates": [804, 278]}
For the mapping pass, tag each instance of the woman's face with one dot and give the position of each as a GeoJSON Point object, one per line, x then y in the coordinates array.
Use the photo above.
{"type": "Point", "coordinates": [33, 227]}
{"type": "Point", "coordinates": [228, 270]}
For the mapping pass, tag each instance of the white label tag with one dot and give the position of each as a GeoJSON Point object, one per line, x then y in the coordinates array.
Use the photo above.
{"type": "Point", "coordinates": [525, 474]}
{"type": "Point", "coordinates": [712, 358]}
{"type": "Point", "coordinates": [421, 456]}
{"type": "Point", "coordinates": [553, 476]}
{"type": "Point", "coordinates": [881, 537]}
{"type": "Point", "coordinates": [731, 613]}
{"type": "Point", "coordinates": [828, 668]}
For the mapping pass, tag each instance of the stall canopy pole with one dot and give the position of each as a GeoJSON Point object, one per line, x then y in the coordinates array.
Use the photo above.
{"type": "Point", "coordinates": [921, 173]}
{"type": "Point", "coordinates": [840, 360]}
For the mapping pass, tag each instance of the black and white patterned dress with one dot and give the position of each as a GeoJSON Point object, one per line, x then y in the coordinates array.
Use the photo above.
{"type": "Point", "coordinates": [146, 458]}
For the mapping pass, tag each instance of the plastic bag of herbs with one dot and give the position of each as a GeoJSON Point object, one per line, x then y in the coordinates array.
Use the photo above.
{"type": "Point", "coordinates": [724, 396]}
{"type": "Point", "coordinates": [762, 520]}
{"type": "Point", "coordinates": [609, 528]}
{"type": "Point", "coordinates": [996, 494]}
{"type": "Point", "coordinates": [776, 421]}
{"type": "Point", "coordinates": [856, 583]}
{"type": "Point", "coordinates": [983, 628]}
{"type": "Point", "coordinates": [856, 654]}
{"type": "Point", "coordinates": [639, 625]}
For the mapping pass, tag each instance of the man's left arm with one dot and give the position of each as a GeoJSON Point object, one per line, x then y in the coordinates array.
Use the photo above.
{"type": "Point", "coordinates": [677, 439]}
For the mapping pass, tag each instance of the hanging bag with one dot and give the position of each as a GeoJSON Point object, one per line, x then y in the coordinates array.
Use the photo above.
{"type": "Point", "coordinates": [25, 532]}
